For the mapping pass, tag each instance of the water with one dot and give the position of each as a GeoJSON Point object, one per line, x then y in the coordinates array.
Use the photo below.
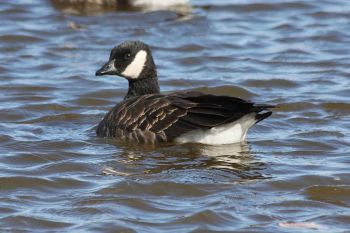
{"type": "Point", "coordinates": [292, 176]}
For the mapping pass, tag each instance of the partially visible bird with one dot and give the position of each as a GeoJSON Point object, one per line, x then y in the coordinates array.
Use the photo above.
{"type": "Point", "coordinates": [148, 5]}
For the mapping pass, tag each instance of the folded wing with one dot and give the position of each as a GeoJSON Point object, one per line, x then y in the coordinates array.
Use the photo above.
{"type": "Point", "coordinates": [166, 117]}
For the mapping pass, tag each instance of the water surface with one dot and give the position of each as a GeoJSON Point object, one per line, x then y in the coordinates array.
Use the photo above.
{"type": "Point", "coordinates": [292, 176]}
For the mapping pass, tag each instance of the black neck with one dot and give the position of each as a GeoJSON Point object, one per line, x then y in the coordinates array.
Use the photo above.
{"type": "Point", "coordinates": [138, 87]}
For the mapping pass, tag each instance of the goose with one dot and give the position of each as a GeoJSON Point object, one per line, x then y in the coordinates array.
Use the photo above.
{"type": "Point", "coordinates": [147, 116]}
{"type": "Point", "coordinates": [148, 4]}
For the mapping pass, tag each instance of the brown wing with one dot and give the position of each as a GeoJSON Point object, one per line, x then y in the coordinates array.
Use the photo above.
{"type": "Point", "coordinates": [209, 111]}
{"type": "Point", "coordinates": [154, 118]}
{"type": "Point", "coordinates": [142, 118]}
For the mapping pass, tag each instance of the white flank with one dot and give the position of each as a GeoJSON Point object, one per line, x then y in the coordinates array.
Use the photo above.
{"type": "Point", "coordinates": [134, 69]}
{"type": "Point", "coordinates": [159, 3]}
{"type": "Point", "coordinates": [233, 132]}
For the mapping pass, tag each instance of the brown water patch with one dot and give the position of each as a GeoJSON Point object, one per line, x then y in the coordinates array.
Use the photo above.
{"type": "Point", "coordinates": [337, 195]}
{"type": "Point", "coordinates": [272, 83]}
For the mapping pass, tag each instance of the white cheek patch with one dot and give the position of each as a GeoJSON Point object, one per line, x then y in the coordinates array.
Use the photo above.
{"type": "Point", "coordinates": [134, 69]}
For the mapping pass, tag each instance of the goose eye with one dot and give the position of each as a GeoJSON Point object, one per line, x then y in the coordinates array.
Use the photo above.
{"type": "Point", "coordinates": [127, 56]}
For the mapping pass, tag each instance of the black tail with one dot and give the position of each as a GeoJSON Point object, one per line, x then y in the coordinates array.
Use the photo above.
{"type": "Point", "coordinates": [262, 108]}
{"type": "Point", "coordinates": [261, 116]}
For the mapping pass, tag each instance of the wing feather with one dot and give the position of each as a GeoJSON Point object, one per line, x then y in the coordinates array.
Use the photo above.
{"type": "Point", "coordinates": [156, 117]}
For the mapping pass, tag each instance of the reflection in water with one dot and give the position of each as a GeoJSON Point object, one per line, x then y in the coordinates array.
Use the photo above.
{"type": "Point", "coordinates": [93, 7]}
{"type": "Point", "coordinates": [232, 160]}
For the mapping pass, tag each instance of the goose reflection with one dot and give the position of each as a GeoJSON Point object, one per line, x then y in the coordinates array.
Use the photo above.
{"type": "Point", "coordinates": [235, 160]}
{"type": "Point", "coordinates": [93, 7]}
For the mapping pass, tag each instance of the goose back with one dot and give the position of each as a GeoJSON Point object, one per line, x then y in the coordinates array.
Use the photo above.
{"type": "Point", "coordinates": [155, 118]}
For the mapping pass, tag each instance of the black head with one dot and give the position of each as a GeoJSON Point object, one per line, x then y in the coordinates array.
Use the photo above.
{"type": "Point", "coordinates": [131, 60]}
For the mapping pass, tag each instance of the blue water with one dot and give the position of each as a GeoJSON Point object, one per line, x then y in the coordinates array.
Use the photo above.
{"type": "Point", "coordinates": [291, 176]}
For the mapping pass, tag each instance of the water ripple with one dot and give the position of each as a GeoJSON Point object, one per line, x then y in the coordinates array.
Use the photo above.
{"type": "Point", "coordinates": [291, 175]}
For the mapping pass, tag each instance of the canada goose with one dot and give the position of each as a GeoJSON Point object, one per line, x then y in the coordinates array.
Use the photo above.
{"type": "Point", "coordinates": [147, 116]}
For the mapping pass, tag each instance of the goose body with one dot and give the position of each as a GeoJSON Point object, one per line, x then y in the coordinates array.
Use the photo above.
{"type": "Point", "coordinates": [146, 116]}
{"type": "Point", "coordinates": [155, 4]}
